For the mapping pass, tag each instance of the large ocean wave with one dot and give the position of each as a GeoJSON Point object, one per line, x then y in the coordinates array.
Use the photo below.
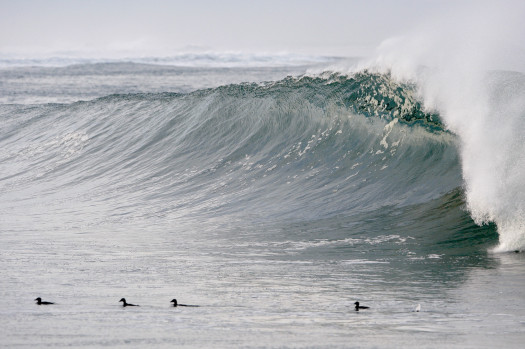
{"type": "Point", "coordinates": [326, 148]}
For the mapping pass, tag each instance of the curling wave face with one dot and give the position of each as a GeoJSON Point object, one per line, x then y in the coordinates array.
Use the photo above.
{"type": "Point", "coordinates": [296, 150]}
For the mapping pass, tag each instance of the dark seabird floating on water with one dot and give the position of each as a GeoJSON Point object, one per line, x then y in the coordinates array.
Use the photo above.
{"type": "Point", "coordinates": [175, 304]}
{"type": "Point", "coordinates": [357, 306]}
{"type": "Point", "coordinates": [125, 304]}
{"type": "Point", "coordinates": [39, 301]}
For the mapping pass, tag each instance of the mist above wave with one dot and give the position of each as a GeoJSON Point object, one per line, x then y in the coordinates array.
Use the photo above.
{"type": "Point", "coordinates": [468, 79]}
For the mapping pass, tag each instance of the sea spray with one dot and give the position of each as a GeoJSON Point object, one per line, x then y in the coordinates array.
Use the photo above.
{"type": "Point", "coordinates": [458, 66]}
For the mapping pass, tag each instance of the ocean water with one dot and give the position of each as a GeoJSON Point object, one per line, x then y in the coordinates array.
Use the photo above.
{"type": "Point", "coordinates": [273, 195]}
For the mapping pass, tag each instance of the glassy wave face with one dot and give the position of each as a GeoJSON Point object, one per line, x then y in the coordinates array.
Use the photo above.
{"type": "Point", "coordinates": [305, 154]}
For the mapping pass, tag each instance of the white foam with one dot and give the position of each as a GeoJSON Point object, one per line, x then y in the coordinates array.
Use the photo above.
{"type": "Point", "coordinates": [451, 60]}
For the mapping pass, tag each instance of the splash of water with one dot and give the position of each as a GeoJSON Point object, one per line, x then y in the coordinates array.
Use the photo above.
{"type": "Point", "coordinates": [458, 62]}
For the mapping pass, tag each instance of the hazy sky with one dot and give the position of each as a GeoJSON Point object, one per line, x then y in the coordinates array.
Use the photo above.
{"type": "Point", "coordinates": [343, 27]}
{"type": "Point", "coordinates": [324, 27]}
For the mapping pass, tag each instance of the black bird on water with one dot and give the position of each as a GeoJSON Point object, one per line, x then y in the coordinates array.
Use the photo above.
{"type": "Point", "coordinates": [175, 304]}
{"type": "Point", "coordinates": [357, 306]}
{"type": "Point", "coordinates": [126, 304]}
{"type": "Point", "coordinates": [39, 301]}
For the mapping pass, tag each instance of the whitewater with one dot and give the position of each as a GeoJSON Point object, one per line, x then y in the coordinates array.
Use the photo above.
{"type": "Point", "coordinates": [272, 190]}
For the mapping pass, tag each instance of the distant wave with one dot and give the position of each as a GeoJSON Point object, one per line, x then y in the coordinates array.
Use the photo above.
{"type": "Point", "coordinates": [189, 59]}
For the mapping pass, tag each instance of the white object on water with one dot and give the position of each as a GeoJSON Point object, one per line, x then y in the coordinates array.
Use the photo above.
{"type": "Point", "coordinates": [418, 308]}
